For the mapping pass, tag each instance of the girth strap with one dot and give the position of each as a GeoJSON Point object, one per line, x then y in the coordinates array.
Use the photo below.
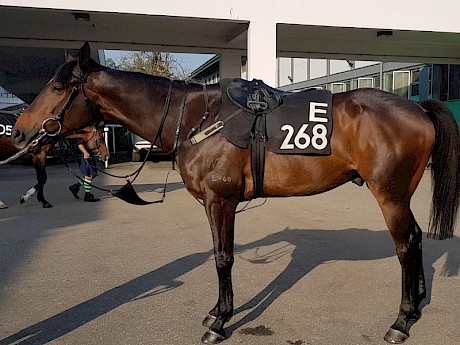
{"type": "Point", "coordinates": [258, 139]}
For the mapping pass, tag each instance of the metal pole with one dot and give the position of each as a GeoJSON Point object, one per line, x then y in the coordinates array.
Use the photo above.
{"type": "Point", "coordinates": [381, 76]}
{"type": "Point", "coordinates": [106, 138]}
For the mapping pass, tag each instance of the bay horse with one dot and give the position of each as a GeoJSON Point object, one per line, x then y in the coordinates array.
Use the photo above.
{"type": "Point", "coordinates": [379, 137]}
{"type": "Point", "coordinates": [93, 137]}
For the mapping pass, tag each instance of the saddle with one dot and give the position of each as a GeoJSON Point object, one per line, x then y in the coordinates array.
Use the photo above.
{"type": "Point", "coordinates": [254, 96]}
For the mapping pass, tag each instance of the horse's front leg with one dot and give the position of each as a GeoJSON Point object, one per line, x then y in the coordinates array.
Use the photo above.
{"type": "Point", "coordinates": [39, 161]}
{"type": "Point", "coordinates": [221, 216]}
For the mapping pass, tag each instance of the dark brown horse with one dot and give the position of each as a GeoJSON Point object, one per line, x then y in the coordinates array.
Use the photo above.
{"type": "Point", "coordinates": [94, 138]}
{"type": "Point", "coordinates": [378, 137]}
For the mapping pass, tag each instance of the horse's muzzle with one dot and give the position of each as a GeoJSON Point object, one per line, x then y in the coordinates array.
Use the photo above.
{"type": "Point", "coordinates": [18, 138]}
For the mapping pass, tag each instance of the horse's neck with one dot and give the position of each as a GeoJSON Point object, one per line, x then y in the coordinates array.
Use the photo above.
{"type": "Point", "coordinates": [142, 107]}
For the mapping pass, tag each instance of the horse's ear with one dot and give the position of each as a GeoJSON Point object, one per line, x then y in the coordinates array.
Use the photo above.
{"type": "Point", "coordinates": [100, 125]}
{"type": "Point", "coordinates": [84, 57]}
{"type": "Point", "coordinates": [67, 56]}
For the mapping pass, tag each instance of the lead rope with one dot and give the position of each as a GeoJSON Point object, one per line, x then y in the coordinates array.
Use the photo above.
{"type": "Point", "coordinates": [33, 143]}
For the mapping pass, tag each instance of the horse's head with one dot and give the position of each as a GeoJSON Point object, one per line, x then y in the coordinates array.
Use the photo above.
{"type": "Point", "coordinates": [94, 139]}
{"type": "Point", "coordinates": [97, 144]}
{"type": "Point", "coordinates": [61, 107]}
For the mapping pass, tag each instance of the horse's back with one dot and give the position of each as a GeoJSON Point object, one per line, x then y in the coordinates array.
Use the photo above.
{"type": "Point", "coordinates": [372, 115]}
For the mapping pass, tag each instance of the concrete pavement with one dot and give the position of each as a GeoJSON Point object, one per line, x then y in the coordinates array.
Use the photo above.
{"type": "Point", "coordinates": [315, 270]}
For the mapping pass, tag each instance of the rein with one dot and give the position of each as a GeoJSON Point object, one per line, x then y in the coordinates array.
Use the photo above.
{"type": "Point", "coordinates": [127, 192]}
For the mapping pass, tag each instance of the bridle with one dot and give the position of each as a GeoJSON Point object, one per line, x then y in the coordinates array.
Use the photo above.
{"type": "Point", "coordinates": [59, 118]}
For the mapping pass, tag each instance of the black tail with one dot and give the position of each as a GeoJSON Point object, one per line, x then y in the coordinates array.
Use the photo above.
{"type": "Point", "coordinates": [445, 171]}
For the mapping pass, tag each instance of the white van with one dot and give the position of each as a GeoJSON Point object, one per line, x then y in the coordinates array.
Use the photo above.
{"type": "Point", "coordinates": [141, 147]}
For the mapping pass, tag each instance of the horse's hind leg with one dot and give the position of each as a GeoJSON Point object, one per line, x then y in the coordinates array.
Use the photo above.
{"type": "Point", "coordinates": [221, 215]}
{"type": "Point", "coordinates": [407, 237]}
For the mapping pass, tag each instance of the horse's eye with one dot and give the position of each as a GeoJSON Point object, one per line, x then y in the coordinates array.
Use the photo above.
{"type": "Point", "coordinates": [58, 88]}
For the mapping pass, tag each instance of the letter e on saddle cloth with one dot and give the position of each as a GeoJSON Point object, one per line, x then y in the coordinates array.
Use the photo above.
{"type": "Point", "coordinates": [295, 123]}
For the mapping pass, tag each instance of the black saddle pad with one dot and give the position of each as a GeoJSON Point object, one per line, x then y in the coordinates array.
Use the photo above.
{"type": "Point", "coordinates": [302, 124]}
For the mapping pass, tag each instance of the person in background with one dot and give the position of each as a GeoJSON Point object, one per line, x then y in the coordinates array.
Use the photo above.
{"type": "Point", "coordinates": [88, 170]}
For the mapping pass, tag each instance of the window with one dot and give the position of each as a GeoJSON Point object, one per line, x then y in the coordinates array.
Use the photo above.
{"type": "Point", "coordinates": [338, 87]}
{"type": "Point", "coordinates": [318, 68]}
{"type": "Point", "coordinates": [337, 66]}
{"type": "Point", "coordinates": [354, 84]}
{"type": "Point", "coordinates": [401, 81]}
{"type": "Point", "coordinates": [299, 69]}
{"type": "Point", "coordinates": [388, 82]}
{"type": "Point", "coordinates": [442, 76]}
{"type": "Point", "coordinates": [365, 82]}
{"type": "Point", "coordinates": [454, 82]}
{"type": "Point", "coordinates": [284, 71]}
{"type": "Point", "coordinates": [415, 83]}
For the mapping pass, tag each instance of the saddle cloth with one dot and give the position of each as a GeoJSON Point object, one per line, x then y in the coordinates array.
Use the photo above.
{"type": "Point", "coordinates": [7, 122]}
{"type": "Point", "coordinates": [300, 124]}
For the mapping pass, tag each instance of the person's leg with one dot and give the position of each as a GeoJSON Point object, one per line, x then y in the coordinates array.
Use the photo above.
{"type": "Point", "coordinates": [88, 181]}
{"type": "Point", "coordinates": [75, 188]}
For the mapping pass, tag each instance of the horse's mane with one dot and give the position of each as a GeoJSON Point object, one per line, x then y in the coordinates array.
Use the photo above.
{"type": "Point", "coordinates": [64, 72]}
{"type": "Point", "coordinates": [135, 75]}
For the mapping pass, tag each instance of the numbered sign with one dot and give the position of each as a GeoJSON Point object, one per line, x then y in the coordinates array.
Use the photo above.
{"type": "Point", "coordinates": [304, 129]}
{"type": "Point", "coordinates": [5, 129]}
{"type": "Point", "coordinates": [302, 139]}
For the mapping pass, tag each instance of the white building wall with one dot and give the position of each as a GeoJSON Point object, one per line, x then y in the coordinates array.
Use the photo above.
{"type": "Point", "coordinates": [395, 14]}
{"type": "Point", "coordinates": [418, 15]}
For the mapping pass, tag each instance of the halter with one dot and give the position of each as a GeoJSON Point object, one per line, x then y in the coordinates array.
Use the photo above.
{"type": "Point", "coordinates": [96, 139]}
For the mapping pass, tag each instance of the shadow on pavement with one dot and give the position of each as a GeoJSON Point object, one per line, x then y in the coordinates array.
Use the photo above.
{"type": "Point", "coordinates": [311, 248]}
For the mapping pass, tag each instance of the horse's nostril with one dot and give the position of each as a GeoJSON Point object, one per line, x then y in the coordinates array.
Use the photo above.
{"type": "Point", "coordinates": [17, 136]}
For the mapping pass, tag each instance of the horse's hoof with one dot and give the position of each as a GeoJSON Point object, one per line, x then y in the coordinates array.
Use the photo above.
{"type": "Point", "coordinates": [211, 337]}
{"type": "Point", "coordinates": [208, 321]}
{"type": "Point", "coordinates": [22, 200]}
{"type": "Point", "coordinates": [4, 206]}
{"type": "Point", "coordinates": [394, 336]}
{"type": "Point", "coordinates": [47, 205]}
